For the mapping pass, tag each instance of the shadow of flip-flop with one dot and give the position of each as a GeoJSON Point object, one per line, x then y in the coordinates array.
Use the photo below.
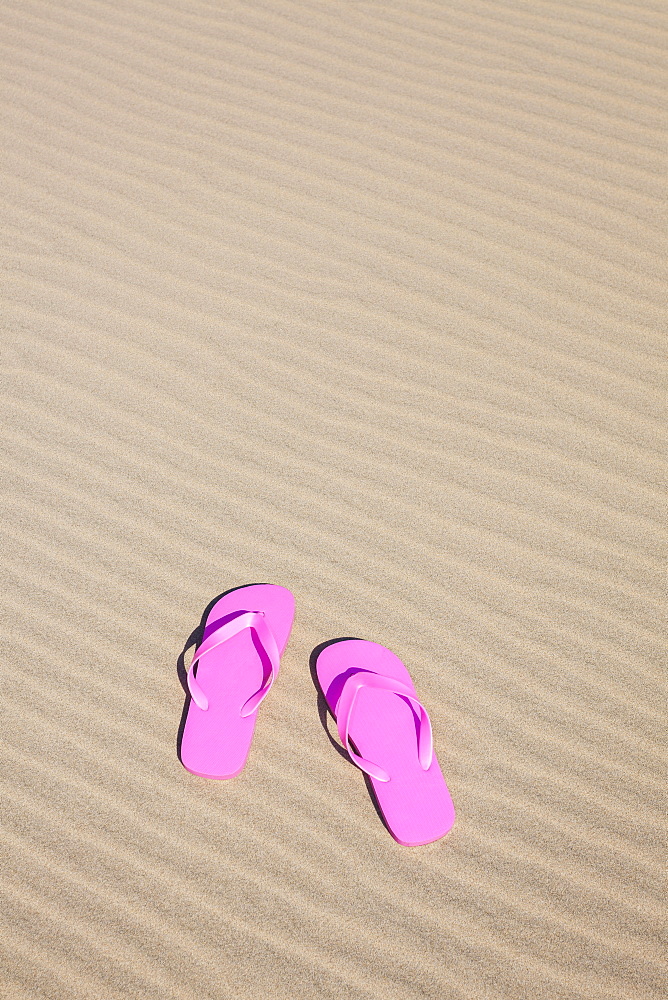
{"type": "Point", "coordinates": [324, 711]}
{"type": "Point", "coordinates": [194, 639]}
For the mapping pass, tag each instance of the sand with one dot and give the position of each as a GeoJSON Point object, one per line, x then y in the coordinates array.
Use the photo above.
{"type": "Point", "coordinates": [366, 299]}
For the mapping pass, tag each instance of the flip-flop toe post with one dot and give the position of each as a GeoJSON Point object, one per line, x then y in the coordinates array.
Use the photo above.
{"type": "Point", "coordinates": [232, 672]}
{"type": "Point", "coordinates": [387, 733]}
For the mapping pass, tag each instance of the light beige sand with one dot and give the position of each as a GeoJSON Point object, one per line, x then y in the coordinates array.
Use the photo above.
{"type": "Point", "coordinates": [364, 299]}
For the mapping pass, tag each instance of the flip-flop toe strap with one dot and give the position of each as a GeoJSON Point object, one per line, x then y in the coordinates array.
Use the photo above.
{"type": "Point", "coordinates": [256, 621]}
{"type": "Point", "coordinates": [379, 682]}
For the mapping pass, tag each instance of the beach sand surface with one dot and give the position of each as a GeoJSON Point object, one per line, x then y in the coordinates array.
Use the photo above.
{"type": "Point", "coordinates": [368, 300]}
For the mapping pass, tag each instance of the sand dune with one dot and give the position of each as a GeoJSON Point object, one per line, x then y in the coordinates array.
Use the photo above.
{"type": "Point", "coordinates": [366, 299]}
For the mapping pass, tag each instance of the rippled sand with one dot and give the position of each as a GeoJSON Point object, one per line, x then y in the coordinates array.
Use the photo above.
{"type": "Point", "coordinates": [366, 299]}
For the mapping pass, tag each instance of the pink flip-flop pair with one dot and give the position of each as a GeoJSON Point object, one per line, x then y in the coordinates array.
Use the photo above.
{"type": "Point", "coordinates": [382, 724]}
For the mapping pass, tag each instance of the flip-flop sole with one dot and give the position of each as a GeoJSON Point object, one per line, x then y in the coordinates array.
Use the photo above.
{"type": "Point", "coordinates": [215, 743]}
{"type": "Point", "coordinates": [416, 804]}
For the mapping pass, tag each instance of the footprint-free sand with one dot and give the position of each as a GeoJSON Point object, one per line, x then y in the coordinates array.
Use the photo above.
{"type": "Point", "coordinates": [366, 299]}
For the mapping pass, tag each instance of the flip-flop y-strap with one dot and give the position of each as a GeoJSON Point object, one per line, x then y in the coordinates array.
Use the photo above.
{"type": "Point", "coordinates": [256, 621]}
{"type": "Point", "coordinates": [344, 713]}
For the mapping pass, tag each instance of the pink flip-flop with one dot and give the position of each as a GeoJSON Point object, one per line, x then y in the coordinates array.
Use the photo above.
{"type": "Point", "coordinates": [232, 671]}
{"type": "Point", "coordinates": [387, 733]}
